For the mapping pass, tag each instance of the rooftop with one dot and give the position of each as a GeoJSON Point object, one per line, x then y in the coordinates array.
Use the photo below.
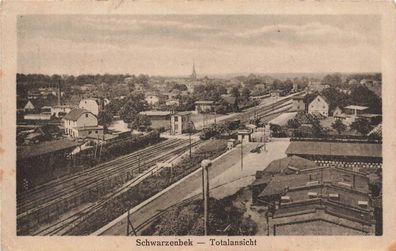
{"type": "Point", "coordinates": [183, 113]}
{"type": "Point", "coordinates": [75, 114]}
{"type": "Point", "coordinates": [82, 128]}
{"type": "Point", "coordinates": [335, 149]}
{"type": "Point", "coordinates": [281, 165]}
{"type": "Point", "coordinates": [204, 102]}
{"type": "Point", "coordinates": [155, 113]}
{"type": "Point", "coordinates": [26, 152]}
{"type": "Point", "coordinates": [356, 107]}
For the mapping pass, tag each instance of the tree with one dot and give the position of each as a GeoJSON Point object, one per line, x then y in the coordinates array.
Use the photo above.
{"type": "Point", "coordinates": [293, 123]}
{"type": "Point", "coordinates": [361, 125]}
{"type": "Point", "coordinates": [245, 93]}
{"type": "Point", "coordinates": [338, 126]}
{"type": "Point", "coordinates": [235, 92]}
{"type": "Point", "coordinates": [141, 122]}
{"type": "Point", "coordinates": [333, 80]}
{"type": "Point", "coordinates": [134, 104]}
{"type": "Point", "coordinates": [317, 129]}
{"type": "Point", "coordinates": [105, 118]}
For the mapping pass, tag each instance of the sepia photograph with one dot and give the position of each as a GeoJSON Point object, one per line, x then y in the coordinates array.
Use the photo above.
{"type": "Point", "coordinates": [195, 125]}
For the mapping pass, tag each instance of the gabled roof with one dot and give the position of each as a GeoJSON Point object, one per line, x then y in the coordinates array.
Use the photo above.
{"type": "Point", "coordinates": [75, 114]}
{"type": "Point", "coordinates": [323, 97]}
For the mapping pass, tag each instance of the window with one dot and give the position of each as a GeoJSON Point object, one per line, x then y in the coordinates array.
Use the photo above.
{"type": "Point", "coordinates": [86, 115]}
{"type": "Point", "coordinates": [89, 132]}
{"type": "Point", "coordinates": [318, 99]}
{"type": "Point", "coordinates": [96, 132]}
{"type": "Point", "coordinates": [176, 118]}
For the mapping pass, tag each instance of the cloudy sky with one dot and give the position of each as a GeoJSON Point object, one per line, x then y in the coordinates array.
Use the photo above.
{"type": "Point", "coordinates": [167, 45]}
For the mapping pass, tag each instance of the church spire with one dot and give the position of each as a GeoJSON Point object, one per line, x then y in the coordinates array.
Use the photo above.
{"type": "Point", "coordinates": [194, 74]}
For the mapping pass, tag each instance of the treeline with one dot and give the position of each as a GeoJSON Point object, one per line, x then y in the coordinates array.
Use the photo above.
{"type": "Point", "coordinates": [42, 80]}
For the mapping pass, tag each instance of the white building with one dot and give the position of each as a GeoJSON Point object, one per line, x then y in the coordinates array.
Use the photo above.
{"type": "Point", "coordinates": [180, 122]}
{"type": "Point", "coordinates": [29, 106]}
{"type": "Point", "coordinates": [152, 99]}
{"type": "Point", "coordinates": [81, 123]}
{"type": "Point", "coordinates": [93, 105]}
{"type": "Point", "coordinates": [319, 106]}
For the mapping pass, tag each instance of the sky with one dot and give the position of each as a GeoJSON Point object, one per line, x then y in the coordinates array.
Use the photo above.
{"type": "Point", "coordinates": [218, 44]}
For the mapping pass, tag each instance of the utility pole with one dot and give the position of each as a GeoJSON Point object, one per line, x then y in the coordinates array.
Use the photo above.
{"type": "Point", "coordinates": [242, 154]}
{"type": "Point", "coordinates": [205, 192]}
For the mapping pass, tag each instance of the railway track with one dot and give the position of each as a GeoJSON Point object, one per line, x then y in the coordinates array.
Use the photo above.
{"type": "Point", "coordinates": [65, 225]}
{"type": "Point", "coordinates": [78, 181]}
{"type": "Point", "coordinates": [70, 187]}
{"type": "Point", "coordinates": [76, 185]}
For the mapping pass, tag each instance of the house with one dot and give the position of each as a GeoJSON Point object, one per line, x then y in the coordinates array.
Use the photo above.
{"type": "Point", "coordinates": [81, 123]}
{"type": "Point", "coordinates": [181, 122]}
{"type": "Point", "coordinates": [152, 99]}
{"type": "Point", "coordinates": [319, 106]}
{"type": "Point", "coordinates": [158, 118]}
{"type": "Point", "coordinates": [204, 106]}
{"type": "Point", "coordinates": [298, 103]}
{"type": "Point", "coordinates": [29, 106]}
{"type": "Point", "coordinates": [94, 105]}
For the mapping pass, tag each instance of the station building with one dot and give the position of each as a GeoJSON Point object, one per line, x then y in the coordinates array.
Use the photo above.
{"type": "Point", "coordinates": [304, 199]}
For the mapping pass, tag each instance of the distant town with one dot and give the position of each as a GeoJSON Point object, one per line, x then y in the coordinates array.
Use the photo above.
{"type": "Point", "coordinates": [120, 154]}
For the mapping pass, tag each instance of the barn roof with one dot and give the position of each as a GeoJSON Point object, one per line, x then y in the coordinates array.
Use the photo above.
{"type": "Point", "coordinates": [335, 149]}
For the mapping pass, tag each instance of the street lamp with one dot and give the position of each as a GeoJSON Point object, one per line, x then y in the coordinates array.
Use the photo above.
{"type": "Point", "coordinates": [205, 191]}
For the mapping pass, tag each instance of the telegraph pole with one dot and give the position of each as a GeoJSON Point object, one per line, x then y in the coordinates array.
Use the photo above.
{"type": "Point", "coordinates": [242, 154]}
{"type": "Point", "coordinates": [205, 192]}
